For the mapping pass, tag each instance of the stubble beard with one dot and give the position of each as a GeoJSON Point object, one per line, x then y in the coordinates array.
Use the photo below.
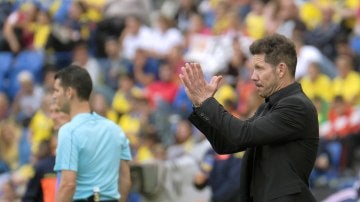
{"type": "Point", "coordinates": [65, 108]}
{"type": "Point", "coordinates": [268, 91]}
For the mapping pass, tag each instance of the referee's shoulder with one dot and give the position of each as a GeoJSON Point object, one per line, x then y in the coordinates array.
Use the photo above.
{"type": "Point", "coordinates": [66, 126]}
{"type": "Point", "coordinates": [111, 123]}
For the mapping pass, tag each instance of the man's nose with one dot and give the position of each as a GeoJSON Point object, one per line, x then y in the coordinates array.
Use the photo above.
{"type": "Point", "coordinates": [254, 76]}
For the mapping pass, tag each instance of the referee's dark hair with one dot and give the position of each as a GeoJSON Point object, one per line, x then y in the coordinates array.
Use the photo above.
{"type": "Point", "coordinates": [77, 78]}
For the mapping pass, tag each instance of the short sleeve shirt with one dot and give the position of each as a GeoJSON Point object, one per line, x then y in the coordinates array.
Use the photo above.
{"type": "Point", "coordinates": [92, 146]}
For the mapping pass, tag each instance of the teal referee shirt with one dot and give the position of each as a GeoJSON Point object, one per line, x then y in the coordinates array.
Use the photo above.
{"type": "Point", "coordinates": [92, 146]}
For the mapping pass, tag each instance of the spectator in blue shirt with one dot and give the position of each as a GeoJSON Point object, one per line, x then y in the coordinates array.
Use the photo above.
{"type": "Point", "coordinates": [221, 173]}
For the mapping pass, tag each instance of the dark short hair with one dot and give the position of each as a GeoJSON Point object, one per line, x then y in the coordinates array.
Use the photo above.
{"type": "Point", "coordinates": [78, 78]}
{"type": "Point", "coordinates": [277, 48]}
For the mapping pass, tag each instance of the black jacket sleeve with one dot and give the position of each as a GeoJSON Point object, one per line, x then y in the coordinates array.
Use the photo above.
{"type": "Point", "coordinates": [228, 134]}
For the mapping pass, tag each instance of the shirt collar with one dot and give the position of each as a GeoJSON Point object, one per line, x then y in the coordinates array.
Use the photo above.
{"type": "Point", "coordinates": [284, 92]}
{"type": "Point", "coordinates": [81, 116]}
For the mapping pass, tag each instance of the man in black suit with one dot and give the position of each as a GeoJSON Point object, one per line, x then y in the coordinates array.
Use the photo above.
{"type": "Point", "coordinates": [280, 140]}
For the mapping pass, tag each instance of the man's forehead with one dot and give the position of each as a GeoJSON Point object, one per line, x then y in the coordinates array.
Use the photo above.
{"type": "Point", "coordinates": [57, 84]}
{"type": "Point", "coordinates": [257, 58]}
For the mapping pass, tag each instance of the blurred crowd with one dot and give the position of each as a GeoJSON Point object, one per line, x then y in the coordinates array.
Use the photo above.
{"type": "Point", "coordinates": [134, 49]}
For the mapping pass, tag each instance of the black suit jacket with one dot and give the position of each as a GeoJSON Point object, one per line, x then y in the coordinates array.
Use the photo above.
{"type": "Point", "coordinates": [280, 140]}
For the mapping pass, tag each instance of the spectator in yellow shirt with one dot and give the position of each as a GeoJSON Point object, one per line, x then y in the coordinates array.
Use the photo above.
{"type": "Point", "coordinates": [135, 122]}
{"type": "Point", "coordinates": [100, 105]}
{"type": "Point", "coordinates": [41, 124]}
{"type": "Point", "coordinates": [347, 83]}
{"type": "Point", "coordinates": [225, 92]}
{"type": "Point", "coordinates": [9, 143]}
{"type": "Point", "coordinates": [316, 84]}
{"type": "Point", "coordinates": [222, 18]}
{"type": "Point", "coordinates": [126, 89]}
{"type": "Point", "coordinates": [94, 9]}
{"type": "Point", "coordinates": [310, 14]}
{"type": "Point", "coordinates": [255, 21]}
{"type": "Point", "coordinates": [41, 29]}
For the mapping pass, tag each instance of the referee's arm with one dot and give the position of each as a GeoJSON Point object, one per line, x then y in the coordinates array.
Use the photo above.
{"type": "Point", "coordinates": [124, 180]}
{"type": "Point", "coordinates": [67, 186]}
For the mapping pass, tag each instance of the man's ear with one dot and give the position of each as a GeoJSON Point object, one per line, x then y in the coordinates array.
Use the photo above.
{"type": "Point", "coordinates": [281, 69]}
{"type": "Point", "coordinates": [69, 92]}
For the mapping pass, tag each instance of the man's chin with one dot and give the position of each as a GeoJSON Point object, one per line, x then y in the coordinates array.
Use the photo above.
{"type": "Point", "coordinates": [261, 94]}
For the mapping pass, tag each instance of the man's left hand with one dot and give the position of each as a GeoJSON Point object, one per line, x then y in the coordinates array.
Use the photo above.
{"type": "Point", "coordinates": [196, 87]}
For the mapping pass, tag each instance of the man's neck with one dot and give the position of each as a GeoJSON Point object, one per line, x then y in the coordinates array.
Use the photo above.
{"type": "Point", "coordinates": [284, 83]}
{"type": "Point", "coordinates": [79, 107]}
